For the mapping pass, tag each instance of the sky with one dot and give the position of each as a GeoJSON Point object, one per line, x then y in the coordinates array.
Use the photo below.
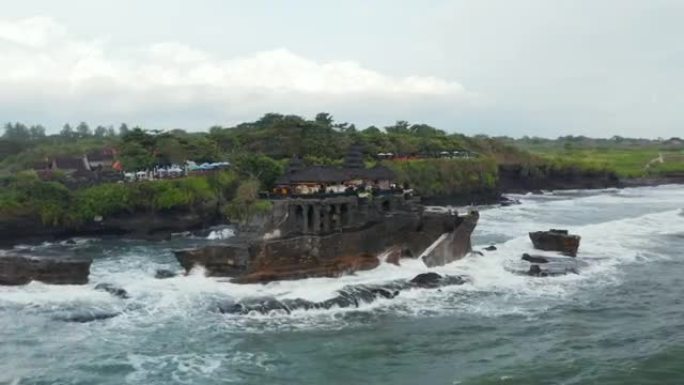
{"type": "Point", "coordinates": [498, 67]}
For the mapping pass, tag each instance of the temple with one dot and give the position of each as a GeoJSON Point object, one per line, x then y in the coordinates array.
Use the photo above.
{"type": "Point", "coordinates": [352, 178]}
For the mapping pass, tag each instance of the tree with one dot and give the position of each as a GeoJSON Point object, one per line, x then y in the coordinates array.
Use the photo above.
{"type": "Point", "coordinates": [82, 130]}
{"type": "Point", "coordinates": [170, 150]}
{"type": "Point", "coordinates": [371, 130]}
{"type": "Point", "coordinates": [37, 132]}
{"type": "Point", "coordinates": [324, 119]}
{"type": "Point", "coordinates": [400, 127]}
{"type": "Point", "coordinates": [123, 129]}
{"type": "Point", "coordinates": [425, 130]}
{"type": "Point", "coordinates": [100, 131]}
{"type": "Point", "coordinates": [67, 132]}
{"type": "Point", "coordinates": [136, 157]}
{"type": "Point", "coordinates": [140, 136]}
{"type": "Point", "coordinates": [17, 131]}
{"type": "Point", "coordinates": [261, 167]}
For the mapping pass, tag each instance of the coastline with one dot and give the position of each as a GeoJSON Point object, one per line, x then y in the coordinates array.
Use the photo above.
{"type": "Point", "coordinates": [161, 225]}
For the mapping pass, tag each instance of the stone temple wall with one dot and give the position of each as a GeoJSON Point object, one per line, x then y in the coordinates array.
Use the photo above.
{"type": "Point", "coordinates": [293, 217]}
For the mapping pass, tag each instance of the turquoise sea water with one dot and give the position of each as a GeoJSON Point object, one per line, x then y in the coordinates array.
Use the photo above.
{"type": "Point", "coordinates": [620, 321]}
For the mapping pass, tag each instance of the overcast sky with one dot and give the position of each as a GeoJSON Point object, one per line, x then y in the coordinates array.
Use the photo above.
{"type": "Point", "coordinates": [500, 67]}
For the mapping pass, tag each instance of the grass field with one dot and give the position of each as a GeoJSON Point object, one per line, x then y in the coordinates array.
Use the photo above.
{"type": "Point", "coordinates": [629, 163]}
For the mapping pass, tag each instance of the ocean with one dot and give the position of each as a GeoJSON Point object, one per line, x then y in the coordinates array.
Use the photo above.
{"type": "Point", "coordinates": [619, 321]}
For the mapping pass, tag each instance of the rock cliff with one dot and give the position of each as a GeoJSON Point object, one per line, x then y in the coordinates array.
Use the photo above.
{"type": "Point", "coordinates": [330, 237]}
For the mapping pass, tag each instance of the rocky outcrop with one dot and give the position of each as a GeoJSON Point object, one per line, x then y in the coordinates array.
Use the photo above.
{"type": "Point", "coordinates": [218, 260]}
{"type": "Point", "coordinates": [141, 224]}
{"type": "Point", "coordinates": [332, 237]}
{"type": "Point", "coordinates": [348, 297]}
{"type": "Point", "coordinates": [455, 244]}
{"type": "Point", "coordinates": [20, 270]}
{"type": "Point", "coordinates": [556, 240]}
{"type": "Point", "coordinates": [524, 178]}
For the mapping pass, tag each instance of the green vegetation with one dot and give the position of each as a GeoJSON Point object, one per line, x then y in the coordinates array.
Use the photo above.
{"type": "Point", "coordinates": [626, 163]}
{"type": "Point", "coordinates": [26, 195]}
{"type": "Point", "coordinates": [440, 177]}
{"type": "Point", "coordinates": [259, 152]}
{"type": "Point", "coordinates": [246, 202]}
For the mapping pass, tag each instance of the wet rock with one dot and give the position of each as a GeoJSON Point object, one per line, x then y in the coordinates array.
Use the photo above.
{"type": "Point", "coordinates": [550, 271]}
{"type": "Point", "coordinates": [426, 280]}
{"type": "Point", "coordinates": [331, 268]}
{"type": "Point", "coordinates": [334, 236]}
{"type": "Point", "coordinates": [477, 252]}
{"type": "Point", "coordinates": [348, 297]}
{"type": "Point", "coordinates": [20, 270]}
{"type": "Point", "coordinates": [163, 274]}
{"type": "Point", "coordinates": [505, 201]}
{"type": "Point", "coordinates": [490, 248]}
{"type": "Point", "coordinates": [218, 260]}
{"type": "Point", "coordinates": [394, 255]}
{"type": "Point", "coordinates": [556, 240]}
{"type": "Point", "coordinates": [112, 289]}
{"type": "Point", "coordinates": [454, 245]}
{"type": "Point", "coordinates": [534, 258]}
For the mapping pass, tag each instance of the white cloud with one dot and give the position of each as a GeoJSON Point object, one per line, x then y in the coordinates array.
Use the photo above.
{"type": "Point", "coordinates": [45, 67]}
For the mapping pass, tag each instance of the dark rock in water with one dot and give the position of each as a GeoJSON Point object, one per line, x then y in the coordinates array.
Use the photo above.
{"type": "Point", "coordinates": [85, 316]}
{"type": "Point", "coordinates": [112, 289]}
{"type": "Point", "coordinates": [490, 248]}
{"type": "Point", "coordinates": [534, 258]}
{"type": "Point", "coordinates": [556, 240]}
{"type": "Point", "coordinates": [348, 297]}
{"type": "Point", "coordinates": [537, 271]}
{"type": "Point", "coordinates": [20, 270]}
{"type": "Point", "coordinates": [476, 252]}
{"type": "Point", "coordinates": [427, 280]}
{"type": "Point", "coordinates": [505, 201]}
{"type": "Point", "coordinates": [433, 280]}
{"type": "Point", "coordinates": [163, 274]}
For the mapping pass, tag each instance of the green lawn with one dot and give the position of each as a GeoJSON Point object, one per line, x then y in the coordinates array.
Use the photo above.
{"type": "Point", "coordinates": [625, 162]}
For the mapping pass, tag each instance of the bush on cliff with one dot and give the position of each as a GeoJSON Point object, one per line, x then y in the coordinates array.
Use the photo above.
{"type": "Point", "coordinates": [246, 203]}
{"type": "Point", "coordinates": [442, 177]}
{"type": "Point", "coordinates": [27, 195]}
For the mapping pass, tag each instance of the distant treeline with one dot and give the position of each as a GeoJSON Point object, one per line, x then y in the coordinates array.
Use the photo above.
{"type": "Point", "coordinates": [318, 141]}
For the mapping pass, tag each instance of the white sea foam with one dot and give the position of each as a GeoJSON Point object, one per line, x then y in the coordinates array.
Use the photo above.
{"type": "Point", "coordinates": [224, 233]}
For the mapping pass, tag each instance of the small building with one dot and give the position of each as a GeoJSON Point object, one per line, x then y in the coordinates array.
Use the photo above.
{"type": "Point", "coordinates": [100, 159]}
{"type": "Point", "coordinates": [312, 180]}
{"type": "Point", "coordinates": [353, 176]}
{"type": "Point", "coordinates": [69, 164]}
